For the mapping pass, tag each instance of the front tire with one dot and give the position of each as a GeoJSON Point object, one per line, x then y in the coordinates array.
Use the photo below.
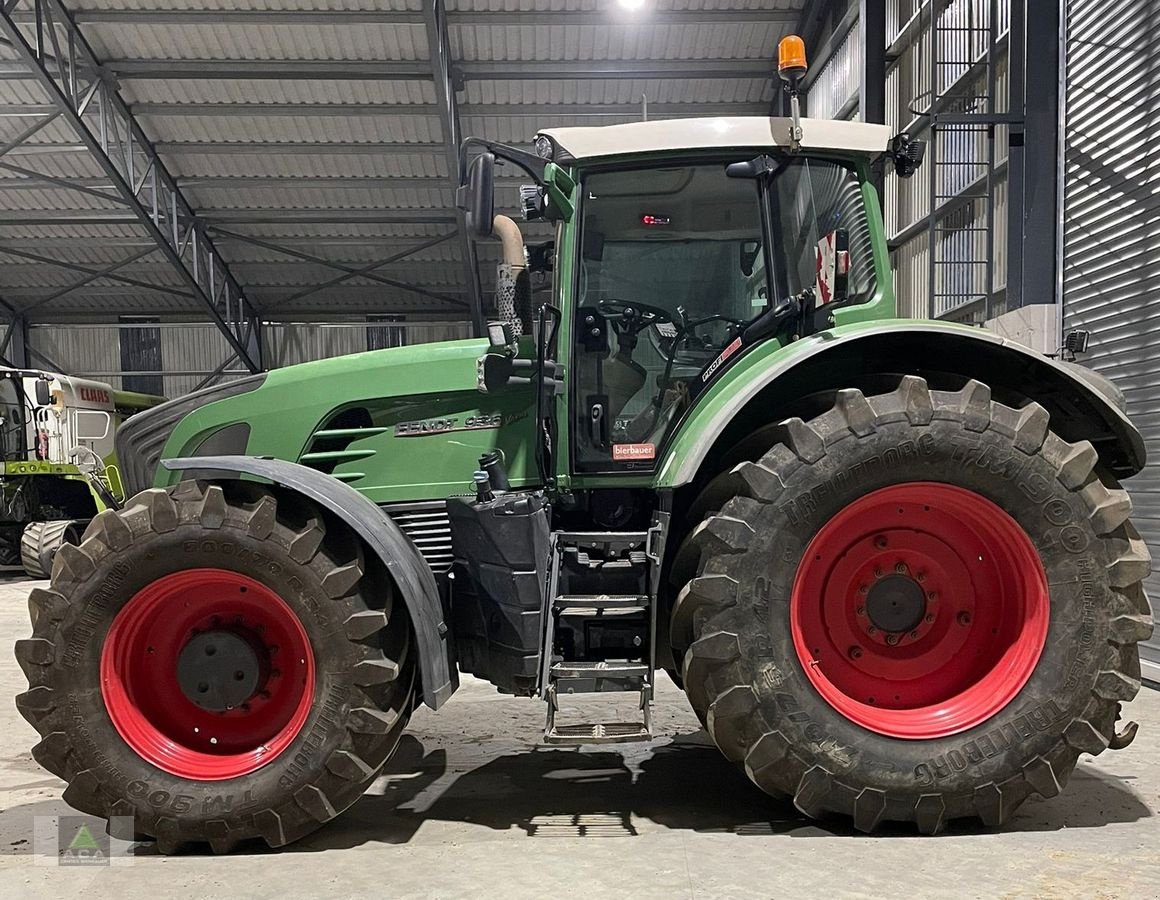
{"type": "Point", "coordinates": [218, 666]}
{"type": "Point", "coordinates": [952, 681]}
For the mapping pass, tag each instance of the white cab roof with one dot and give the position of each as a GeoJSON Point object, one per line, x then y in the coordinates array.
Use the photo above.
{"type": "Point", "coordinates": [726, 132]}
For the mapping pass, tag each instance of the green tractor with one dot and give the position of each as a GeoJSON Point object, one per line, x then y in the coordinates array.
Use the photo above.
{"type": "Point", "coordinates": [57, 469]}
{"type": "Point", "coordinates": [890, 562]}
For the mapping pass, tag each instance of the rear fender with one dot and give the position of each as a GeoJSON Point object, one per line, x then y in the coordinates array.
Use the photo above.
{"type": "Point", "coordinates": [407, 567]}
{"type": "Point", "coordinates": [762, 386]}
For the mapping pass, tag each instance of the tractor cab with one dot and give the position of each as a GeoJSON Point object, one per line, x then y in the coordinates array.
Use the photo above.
{"type": "Point", "coordinates": [679, 264]}
{"type": "Point", "coordinates": [680, 246]}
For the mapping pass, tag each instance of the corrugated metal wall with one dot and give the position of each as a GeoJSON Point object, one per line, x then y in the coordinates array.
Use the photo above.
{"type": "Point", "coordinates": [1111, 206]}
{"type": "Point", "coordinates": [836, 84]}
{"type": "Point", "coordinates": [191, 350]}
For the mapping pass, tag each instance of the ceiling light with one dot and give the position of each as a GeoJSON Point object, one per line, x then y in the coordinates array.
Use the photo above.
{"type": "Point", "coordinates": [631, 4]}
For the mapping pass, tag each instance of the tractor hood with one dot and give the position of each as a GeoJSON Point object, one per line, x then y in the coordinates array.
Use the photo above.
{"type": "Point", "coordinates": [400, 424]}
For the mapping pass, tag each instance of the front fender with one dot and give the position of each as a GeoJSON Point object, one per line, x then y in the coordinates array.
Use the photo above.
{"type": "Point", "coordinates": [836, 358]}
{"type": "Point", "coordinates": [402, 559]}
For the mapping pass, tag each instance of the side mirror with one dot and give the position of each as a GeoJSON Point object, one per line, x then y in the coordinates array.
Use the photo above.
{"type": "Point", "coordinates": [43, 392]}
{"type": "Point", "coordinates": [480, 195]}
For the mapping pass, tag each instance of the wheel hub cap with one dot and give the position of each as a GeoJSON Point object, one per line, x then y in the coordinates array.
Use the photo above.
{"type": "Point", "coordinates": [896, 604]}
{"type": "Point", "coordinates": [219, 670]}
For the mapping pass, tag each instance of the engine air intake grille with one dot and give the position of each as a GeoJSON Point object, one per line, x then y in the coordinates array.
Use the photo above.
{"type": "Point", "coordinates": [330, 444]}
{"type": "Point", "coordinates": [428, 525]}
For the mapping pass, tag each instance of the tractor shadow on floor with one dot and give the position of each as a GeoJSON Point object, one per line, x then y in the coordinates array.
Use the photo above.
{"type": "Point", "coordinates": [685, 784]}
{"type": "Point", "coordinates": [616, 793]}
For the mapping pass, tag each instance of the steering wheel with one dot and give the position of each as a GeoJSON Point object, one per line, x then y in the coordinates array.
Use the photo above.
{"type": "Point", "coordinates": [631, 318]}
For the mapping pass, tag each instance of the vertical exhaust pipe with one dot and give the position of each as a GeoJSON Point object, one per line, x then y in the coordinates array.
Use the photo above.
{"type": "Point", "coordinates": [513, 286]}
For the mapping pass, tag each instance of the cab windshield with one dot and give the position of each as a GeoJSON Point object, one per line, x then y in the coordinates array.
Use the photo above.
{"type": "Point", "coordinates": [673, 264]}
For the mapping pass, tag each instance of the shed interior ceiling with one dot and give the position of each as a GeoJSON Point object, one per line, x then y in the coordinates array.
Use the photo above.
{"type": "Point", "coordinates": [314, 126]}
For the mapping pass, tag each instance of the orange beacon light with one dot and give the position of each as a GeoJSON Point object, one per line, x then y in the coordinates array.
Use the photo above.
{"type": "Point", "coordinates": [791, 58]}
{"type": "Point", "coordinates": [791, 66]}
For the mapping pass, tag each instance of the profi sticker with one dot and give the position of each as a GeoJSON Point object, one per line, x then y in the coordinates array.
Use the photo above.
{"type": "Point", "coordinates": [633, 452]}
{"type": "Point", "coordinates": [733, 347]}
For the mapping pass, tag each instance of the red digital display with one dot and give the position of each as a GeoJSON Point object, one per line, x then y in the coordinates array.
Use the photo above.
{"type": "Point", "coordinates": [650, 219]}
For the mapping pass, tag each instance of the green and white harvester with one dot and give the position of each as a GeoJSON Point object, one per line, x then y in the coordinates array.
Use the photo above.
{"type": "Point", "coordinates": [57, 466]}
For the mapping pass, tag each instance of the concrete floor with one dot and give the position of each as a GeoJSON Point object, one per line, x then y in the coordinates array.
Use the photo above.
{"type": "Point", "coordinates": [483, 811]}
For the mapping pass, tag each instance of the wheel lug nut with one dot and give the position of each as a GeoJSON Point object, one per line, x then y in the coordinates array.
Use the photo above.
{"type": "Point", "coordinates": [914, 635]}
{"type": "Point", "coordinates": [861, 610]}
{"type": "Point", "coordinates": [892, 639]}
{"type": "Point", "coordinates": [880, 541]}
{"type": "Point", "coordinates": [872, 630]}
{"type": "Point", "coordinates": [900, 568]}
{"type": "Point", "coordinates": [964, 618]}
{"type": "Point", "coordinates": [933, 595]}
{"type": "Point", "coordinates": [929, 618]}
{"type": "Point", "coordinates": [920, 577]}
{"type": "Point", "coordinates": [855, 652]}
{"type": "Point", "coordinates": [864, 589]}
{"type": "Point", "coordinates": [877, 573]}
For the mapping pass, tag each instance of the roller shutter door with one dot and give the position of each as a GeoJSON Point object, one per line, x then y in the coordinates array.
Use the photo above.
{"type": "Point", "coordinates": [1112, 225]}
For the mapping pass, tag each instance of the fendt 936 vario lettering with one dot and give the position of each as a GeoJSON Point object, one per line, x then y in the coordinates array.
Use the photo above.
{"type": "Point", "coordinates": [890, 562]}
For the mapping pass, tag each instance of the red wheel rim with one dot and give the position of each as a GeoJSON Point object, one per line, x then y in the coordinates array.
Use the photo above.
{"type": "Point", "coordinates": [919, 610]}
{"type": "Point", "coordinates": [149, 702]}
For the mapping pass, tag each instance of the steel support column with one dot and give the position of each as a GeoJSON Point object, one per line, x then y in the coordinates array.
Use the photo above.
{"type": "Point", "coordinates": [872, 87]}
{"type": "Point", "coordinates": [435, 16]}
{"type": "Point", "coordinates": [1033, 234]}
{"type": "Point", "coordinates": [54, 53]}
{"type": "Point", "coordinates": [872, 30]}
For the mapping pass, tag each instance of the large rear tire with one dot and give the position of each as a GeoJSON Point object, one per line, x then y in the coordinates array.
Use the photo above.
{"type": "Point", "coordinates": [916, 607]}
{"type": "Point", "coordinates": [217, 665]}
